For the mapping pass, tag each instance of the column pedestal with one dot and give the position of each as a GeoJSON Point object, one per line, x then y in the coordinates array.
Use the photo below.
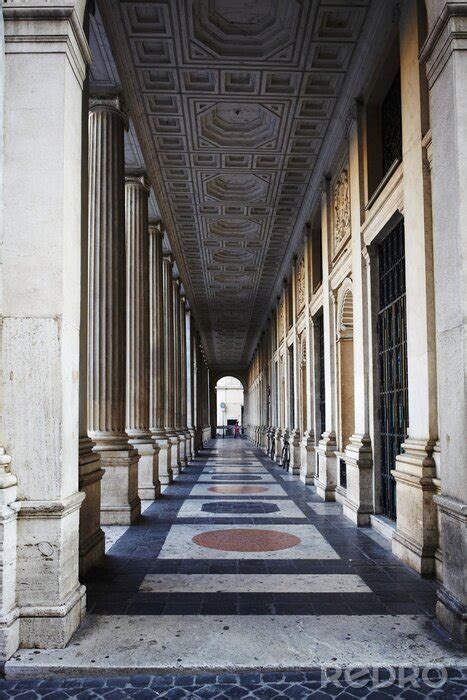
{"type": "Point", "coordinates": [307, 459]}
{"type": "Point", "coordinates": [278, 444]}
{"type": "Point", "coordinates": [415, 539]}
{"type": "Point", "coordinates": [326, 478]}
{"type": "Point", "coordinates": [91, 536]}
{"type": "Point", "coordinates": [53, 603]}
{"type": "Point", "coordinates": [120, 501]}
{"type": "Point", "coordinates": [295, 449]}
{"type": "Point", "coordinates": [9, 613]}
{"type": "Point", "coordinates": [357, 498]}
{"type": "Point", "coordinates": [149, 485]}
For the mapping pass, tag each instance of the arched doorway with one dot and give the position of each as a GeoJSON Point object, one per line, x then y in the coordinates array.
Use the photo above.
{"type": "Point", "coordinates": [229, 405]}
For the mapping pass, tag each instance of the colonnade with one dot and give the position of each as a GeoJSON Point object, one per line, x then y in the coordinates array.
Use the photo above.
{"type": "Point", "coordinates": [105, 385]}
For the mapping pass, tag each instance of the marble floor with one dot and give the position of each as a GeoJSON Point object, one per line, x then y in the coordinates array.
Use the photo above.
{"type": "Point", "coordinates": [246, 574]}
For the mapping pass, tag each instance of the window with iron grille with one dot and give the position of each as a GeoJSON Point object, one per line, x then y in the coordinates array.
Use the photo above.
{"type": "Point", "coordinates": [322, 385]}
{"type": "Point", "coordinates": [392, 352]}
{"type": "Point", "coordinates": [391, 125]}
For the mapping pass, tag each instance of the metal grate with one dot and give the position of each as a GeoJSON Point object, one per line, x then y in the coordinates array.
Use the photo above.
{"type": "Point", "coordinates": [322, 383]}
{"type": "Point", "coordinates": [342, 473]}
{"type": "Point", "coordinates": [392, 351]}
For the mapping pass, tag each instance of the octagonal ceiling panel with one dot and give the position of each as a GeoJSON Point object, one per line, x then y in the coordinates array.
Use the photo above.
{"type": "Point", "coordinates": [231, 101]}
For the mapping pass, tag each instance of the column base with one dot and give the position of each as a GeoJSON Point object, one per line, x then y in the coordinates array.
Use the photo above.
{"type": "Point", "coordinates": [164, 458]}
{"type": "Point", "coordinates": [174, 454]}
{"type": "Point", "coordinates": [91, 537]}
{"type": "Point", "coordinates": [9, 635]}
{"type": "Point", "coordinates": [325, 480]}
{"type": "Point", "coordinates": [357, 496]}
{"type": "Point", "coordinates": [278, 444]}
{"type": "Point", "coordinates": [149, 486]}
{"type": "Point", "coordinates": [51, 600]}
{"type": "Point", "coordinates": [43, 627]}
{"type": "Point", "coordinates": [307, 460]}
{"type": "Point", "coordinates": [9, 507]}
{"type": "Point", "coordinates": [120, 501]}
{"type": "Point", "coordinates": [182, 450]}
{"type": "Point", "coordinates": [452, 615]}
{"type": "Point", "coordinates": [188, 447]}
{"type": "Point", "coordinates": [294, 464]}
{"type": "Point", "coordinates": [415, 539]}
{"type": "Point", "coordinates": [451, 608]}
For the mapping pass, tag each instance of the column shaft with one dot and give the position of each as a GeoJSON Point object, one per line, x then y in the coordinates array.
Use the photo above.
{"type": "Point", "coordinates": [107, 313]}
{"type": "Point", "coordinates": [177, 374]}
{"type": "Point", "coordinates": [169, 404]}
{"type": "Point", "coordinates": [137, 334]}
{"type": "Point", "coordinates": [157, 354]}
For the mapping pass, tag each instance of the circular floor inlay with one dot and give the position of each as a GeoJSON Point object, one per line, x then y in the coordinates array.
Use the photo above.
{"type": "Point", "coordinates": [240, 507]}
{"type": "Point", "coordinates": [241, 540]}
{"type": "Point", "coordinates": [238, 489]}
{"type": "Point", "coordinates": [235, 477]}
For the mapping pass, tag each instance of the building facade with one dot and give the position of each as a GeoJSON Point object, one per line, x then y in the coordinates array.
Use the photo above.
{"type": "Point", "coordinates": [349, 386]}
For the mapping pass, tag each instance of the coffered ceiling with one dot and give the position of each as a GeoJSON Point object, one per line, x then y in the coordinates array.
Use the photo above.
{"type": "Point", "coordinates": [231, 101]}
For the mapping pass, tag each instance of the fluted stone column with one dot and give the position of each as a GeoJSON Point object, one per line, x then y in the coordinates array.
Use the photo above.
{"type": "Point", "coordinates": [183, 378]}
{"type": "Point", "coordinates": [169, 403]}
{"type": "Point", "coordinates": [107, 313]}
{"type": "Point", "coordinates": [157, 362]}
{"type": "Point", "coordinates": [138, 324]}
{"type": "Point", "coordinates": [189, 386]}
{"type": "Point", "coordinates": [177, 374]}
{"type": "Point", "coordinates": [91, 535]}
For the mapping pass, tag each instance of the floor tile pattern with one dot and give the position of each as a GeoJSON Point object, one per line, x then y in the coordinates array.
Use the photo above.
{"type": "Point", "coordinates": [244, 580]}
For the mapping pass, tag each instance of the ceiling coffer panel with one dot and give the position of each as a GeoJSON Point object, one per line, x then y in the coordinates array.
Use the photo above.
{"type": "Point", "coordinates": [236, 96]}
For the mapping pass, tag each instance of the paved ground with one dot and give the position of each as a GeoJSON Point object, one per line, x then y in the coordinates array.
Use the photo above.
{"type": "Point", "coordinates": [241, 567]}
{"type": "Point", "coordinates": [314, 683]}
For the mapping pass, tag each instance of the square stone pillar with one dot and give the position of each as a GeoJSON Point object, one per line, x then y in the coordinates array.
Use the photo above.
{"type": "Point", "coordinates": [327, 472]}
{"type": "Point", "coordinates": [445, 53]}
{"type": "Point", "coordinates": [308, 454]}
{"type": "Point", "coordinates": [358, 501]}
{"type": "Point", "coordinates": [46, 53]}
{"type": "Point", "coordinates": [416, 537]}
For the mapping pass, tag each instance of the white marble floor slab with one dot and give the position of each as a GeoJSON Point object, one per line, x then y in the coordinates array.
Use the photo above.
{"type": "Point", "coordinates": [326, 508]}
{"type": "Point", "coordinates": [114, 532]}
{"type": "Point", "coordinates": [149, 644]}
{"type": "Point", "coordinates": [192, 508]}
{"type": "Point", "coordinates": [228, 490]}
{"type": "Point", "coordinates": [253, 583]}
{"type": "Point", "coordinates": [312, 545]}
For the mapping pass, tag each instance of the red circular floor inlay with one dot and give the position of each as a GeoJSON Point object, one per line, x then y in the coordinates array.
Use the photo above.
{"type": "Point", "coordinates": [238, 540]}
{"type": "Point", "coordinates": [238, 489]}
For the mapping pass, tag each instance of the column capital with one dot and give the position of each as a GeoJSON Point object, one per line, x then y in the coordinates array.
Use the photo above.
{"type": "Point", "coordinates": [109, 103]}
{"type": "Point", "coordinates": [369, 253]}
{"type": "Point", "coordinates": [448, 33]}
{"type": "Point", "coordinates": [155, 228]}
{"type": "Point", "coordinates": [140, 181]}
{"type": "Point", "coordinates": [168, 259]}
